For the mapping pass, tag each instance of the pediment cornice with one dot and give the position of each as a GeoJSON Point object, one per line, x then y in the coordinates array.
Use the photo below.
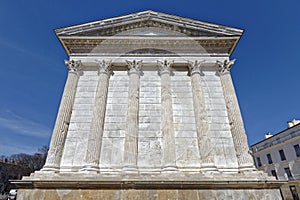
{"type": "Point", "coordinates": [113, 26]}
{"type": "Point", "coordinates": [150, 31]}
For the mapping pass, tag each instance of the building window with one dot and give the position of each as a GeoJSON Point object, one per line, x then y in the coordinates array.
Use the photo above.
{"type": "Point", "coordinates": [273, 172]}
{"type": "Point", "coordinates": [294, 192]}
{"type": "Point", "coordinates": [282, 155]}
{"type": "Point", "coordinates": [293, 134]}
{"type": "Point", "coordinates": [297, 150]}
{"type": "Point", "coordinates": [270, 161]}
{"type": "Point", "coordinates": [288, 173]}
{"type": "Point", "coordinates": [258, 162]}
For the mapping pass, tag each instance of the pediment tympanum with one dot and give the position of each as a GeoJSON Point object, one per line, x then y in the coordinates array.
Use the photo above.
{"type": "Point", "coordinates": [148, 30]}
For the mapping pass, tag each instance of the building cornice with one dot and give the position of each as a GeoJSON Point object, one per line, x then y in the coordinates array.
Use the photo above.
{"type": "Point", "coordinates": [124, 45]}
{"type": "Point", "coordinates": [148, 30]}
{"type": "Point", "coordinates": [278, 135]}
{"type": "Point", "coordinates": [149, 18]}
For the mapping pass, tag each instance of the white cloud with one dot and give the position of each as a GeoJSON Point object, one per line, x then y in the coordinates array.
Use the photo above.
{"type": "Point", "coordinates": [23, 126]}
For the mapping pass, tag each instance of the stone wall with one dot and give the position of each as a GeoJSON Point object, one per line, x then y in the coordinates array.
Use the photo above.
{"type": "Point", "coordinates": [150, 143]}
{"type": "Point", "coordinates": [238, 194]}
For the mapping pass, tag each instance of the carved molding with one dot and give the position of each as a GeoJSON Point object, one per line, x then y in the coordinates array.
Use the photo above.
{"type": "Point", "coordinates": [165, 66]}
{"type": "Point", "coordinates": [72, 65]}
{"type": "Point", "coordinates": [134, 66]}
{"type": "Point", "coordinates": [124, 44]}
{"type": "Point", "coordinates": [195, 67]}
{"type": "Point", "coordinates": [225, 66]}
{"type": "Point", "coordinates": [104, 67]}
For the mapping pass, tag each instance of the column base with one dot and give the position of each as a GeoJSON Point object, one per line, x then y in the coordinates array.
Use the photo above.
{"type": "Point", "coordinates": [247, 168]}
{"type": "Point", "coordinates": [209, 167]}
{"type": "Point", "coordinates": [130, 169]}
{"type": "Point", "coordinates": [50, 169]}
{"type": "Point", "coordinates": [170, 168]}
{"type": "Point", "coordinates": [90, 168]}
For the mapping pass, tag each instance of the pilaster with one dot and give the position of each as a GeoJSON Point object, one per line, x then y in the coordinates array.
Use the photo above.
{"type": "Point", "coordinates": [63, 118]}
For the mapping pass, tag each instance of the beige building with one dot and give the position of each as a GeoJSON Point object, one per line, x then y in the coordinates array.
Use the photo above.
{"type": "Point", "coordinates": [279, 156]}
{"type": "Point", "coordinates": [149, 111]}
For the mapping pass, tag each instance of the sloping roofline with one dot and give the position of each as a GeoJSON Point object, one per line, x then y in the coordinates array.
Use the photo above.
{"type": "Point", "coordinates": [269, 138]}
{"type": "Point", "coordinates": [82, 39]}
{"type": "Point", "coordinates": [150, 15]}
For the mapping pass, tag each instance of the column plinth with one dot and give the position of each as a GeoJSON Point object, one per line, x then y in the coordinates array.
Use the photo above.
{"type": "Point", "coordinates": [204, 142]}
{"type": "Point", "coordinates": [63, 118]}
{"type": "Point", "coordinates": [244, 158]}
{"type": "Point", "coordinates": [167, 122]}
{"type": "Point", "coordinates": [132, 120]}
{"type": "Point", "coordinates": [93, 152]}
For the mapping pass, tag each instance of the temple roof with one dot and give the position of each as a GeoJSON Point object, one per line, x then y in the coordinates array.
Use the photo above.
{"type": "Point", "coordinates": [152, 26]}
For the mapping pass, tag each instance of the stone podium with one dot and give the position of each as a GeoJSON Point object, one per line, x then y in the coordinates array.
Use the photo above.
{"type": "Point", "coordinates": [149, 111]}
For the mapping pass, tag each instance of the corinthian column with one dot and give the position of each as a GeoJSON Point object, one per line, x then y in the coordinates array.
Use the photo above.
{"type": "Point", "coordinates": [63, 118]}
{"type": "Point", "coordinates": [167, 123]}
{"type": "Point", "coordinates": [132, 120]}
{"type": "Point", "coordinates": [244, 159]}
{"type": "Point", "coordinates": [92, 155]}
{"type": "Point", "coordinates": [204, 142]}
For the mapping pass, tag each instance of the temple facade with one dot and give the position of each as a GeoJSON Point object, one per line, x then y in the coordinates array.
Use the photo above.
{"type": "Point", "coordinates": [149, 110]}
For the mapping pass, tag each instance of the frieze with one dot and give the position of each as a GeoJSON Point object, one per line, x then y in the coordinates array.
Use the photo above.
{"type": "Point", "coordinates": [116, 45]}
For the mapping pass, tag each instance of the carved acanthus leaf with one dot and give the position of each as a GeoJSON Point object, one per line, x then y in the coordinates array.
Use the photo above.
{"type": "Point", "coordinates": [165, 66]}
{"type": "Point", "coordinates": [225, 66]}
{"type": "Point", "coordinates": [73, 65]}
{"type": "Point", "coordinates": [104, 66]}
{"type": "Point", "coordinates": [195, 67]}
{"type": "Point", "coordinates": [134, 66]}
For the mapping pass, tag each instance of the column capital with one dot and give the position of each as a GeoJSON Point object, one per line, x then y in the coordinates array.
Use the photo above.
{"type": "Point", "coordinates": [73, 65]}
{"type": "Point", "coordinates": [225, 66]}
{"type": "Point", "coordinates": [195, 67]}
{"type": "Point", "coordinates": [134, 67]}
{"type": "Point", "coordinates": [104, 67]}
{"type": "Point", "coordinates": [165, 66]}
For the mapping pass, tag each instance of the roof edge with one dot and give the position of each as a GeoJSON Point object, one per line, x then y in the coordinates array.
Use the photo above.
{"type": "Point", "coordinates": [150, 14]}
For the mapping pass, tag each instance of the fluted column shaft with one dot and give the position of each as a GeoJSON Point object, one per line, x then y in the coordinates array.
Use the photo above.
{"type": "Point", "coordinates": [92, 155]}
{"type": "Point", "coordinates": [204, 142]}
{"type": "Point", "coordinates": [63, 118]}
{"type": "Point", "coordinates": [244, 159]}
{"type": "Point", "coordinates": [132, 120]}
{"type": "Point", "coordinates": [167, 122]}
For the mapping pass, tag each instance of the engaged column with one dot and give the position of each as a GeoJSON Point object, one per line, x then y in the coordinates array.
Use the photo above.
{"type": "Point", "coordinates": [132, 120]}
{"type": "Point", "coordinates": [204, 142]}
{"type": "Point", "coordinates": [167, 122]}
{"type": "Point", "coordinates": [92, 155]}
{"type": "Point", "coordinates": [244, 159]}
{"type": "Point", "coordinates": [63, 118]}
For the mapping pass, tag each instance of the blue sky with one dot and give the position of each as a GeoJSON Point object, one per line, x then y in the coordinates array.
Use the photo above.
{"type": "Point", "coordinates": [266, 74]}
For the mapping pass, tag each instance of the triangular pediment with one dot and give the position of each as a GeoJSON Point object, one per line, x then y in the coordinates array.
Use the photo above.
{"type": "Point", "coordinates": [151, 32]}
{"type": "Point", "coordinates": [148, 20]}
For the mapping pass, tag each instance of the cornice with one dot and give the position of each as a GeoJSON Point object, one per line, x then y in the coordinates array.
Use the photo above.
{"type": "Point", "coordinates": [86, 45]}
{"type": "Point", "coordinates": [276, 146]}
{"type": "Point", "coordinates": [148, 30]}
{"type": "Point", "coordinates": [149, 18]}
